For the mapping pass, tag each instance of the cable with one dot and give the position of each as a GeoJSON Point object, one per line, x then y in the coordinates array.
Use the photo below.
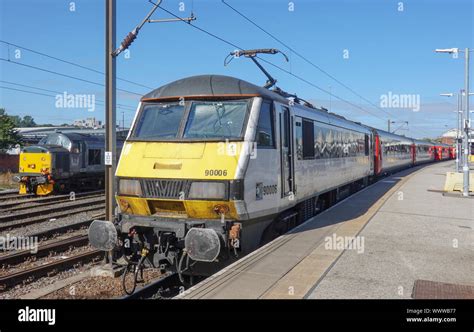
{"type": "Point", "coordinates": [48, 95]}
{"type": "Point", "coordinates": [131, 108]}
{"type": "Point", "coordinates": [36, 93]}
{"type": "Point", "coordinates": [304, 58]}
{"type": "Point", "coordinates": [311, 63]}
{"type": "Point", "coordinates": [64, 75]}
{"type": "Point", "coordinates": [200, 29]}
{"type": "Point", "coordinates": [268, 62]}
{"type": "Point", "coordinates": [288, 72]}
{"type": "Point", "coordinates": [319, 88]}
{"type": "Point", "coordinates": [71, 63]}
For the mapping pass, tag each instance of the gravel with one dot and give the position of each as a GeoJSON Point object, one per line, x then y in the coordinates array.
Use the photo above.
{"type": "Point", "coordinates": [100, 287]}
{"type": "Point", "coordinates": [19, 290]}
{"type": "Point", "coordinates": [33, 262]}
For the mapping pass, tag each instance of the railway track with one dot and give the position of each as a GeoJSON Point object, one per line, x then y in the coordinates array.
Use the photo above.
{"type": "Point", "coordinates": [63, 229]}
{"type": "Point", "coordinates": [48, 204]}
{"type": "Point", "coordinates": [44, 250]}
{"type": "Point", "coordinates": [7, 192]}
{"type": "Point", "coordinates": [48, 269]}
{"type": "Point", "coordinates": [44, 201]}
{"type": "Point", "coordinates": [12, 196]}
{"type": "Point", "coordinates": [85, 207]}
{"type": "Point", "coordinates": [26, 218]}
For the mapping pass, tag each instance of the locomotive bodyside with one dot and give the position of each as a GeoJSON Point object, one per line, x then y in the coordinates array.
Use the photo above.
{"type": "Point", "coordinates": [215, 166]}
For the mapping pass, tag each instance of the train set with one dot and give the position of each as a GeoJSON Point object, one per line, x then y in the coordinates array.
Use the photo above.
{"type": "Point", "coordinates": [214, 167]}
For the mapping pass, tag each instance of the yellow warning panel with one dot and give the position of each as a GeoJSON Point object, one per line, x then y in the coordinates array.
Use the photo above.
{"type": "Point", "coordinates": [454, 181]}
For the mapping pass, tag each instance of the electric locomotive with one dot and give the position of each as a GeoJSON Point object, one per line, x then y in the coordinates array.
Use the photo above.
{"type": "Point", "coordinates": [215, 166]}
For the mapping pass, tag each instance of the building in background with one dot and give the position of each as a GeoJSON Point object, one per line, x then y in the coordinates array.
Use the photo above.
{"type": "Point", "coordinates": [88, 123]}
{"type": "Point", "coordinates": [449, 137]}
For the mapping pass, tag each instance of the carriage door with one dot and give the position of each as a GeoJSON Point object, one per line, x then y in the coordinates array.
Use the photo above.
{"type": "Point", "coordinates": [286, 151]}
{"type": "Point", "coordinates": [83, 149]}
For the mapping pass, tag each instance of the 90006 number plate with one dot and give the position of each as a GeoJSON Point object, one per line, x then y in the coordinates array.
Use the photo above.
{"type": "Point", "coordinates": [215, 172]}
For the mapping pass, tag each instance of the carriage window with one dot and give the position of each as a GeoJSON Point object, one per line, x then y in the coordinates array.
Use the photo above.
{"type": "Point", "coordinates": [366, 144]}
{"type": "Point", "coordinates": [308, 139]}
{"type": "Point", "coordinates": [159, 121]}
{"type": "Point", "coordinates": [94, 156]}
{"type": "Point", "coordinates": [265, 126]}
{"type": "Point", "coordinates": [299, 138]}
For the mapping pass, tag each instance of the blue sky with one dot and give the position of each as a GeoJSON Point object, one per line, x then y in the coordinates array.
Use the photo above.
{"type": "Point", "coordinates": [389, 51]}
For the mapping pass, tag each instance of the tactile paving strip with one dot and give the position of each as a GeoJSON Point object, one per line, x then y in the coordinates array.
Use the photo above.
{"type": "Point", "coordinates": [425, 289]}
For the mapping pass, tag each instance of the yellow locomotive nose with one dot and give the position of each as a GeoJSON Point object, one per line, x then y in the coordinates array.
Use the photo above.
{"type": "Point", "coordinates": [34, 168]}
{"type": "Point", "coordinates": [34, 162]}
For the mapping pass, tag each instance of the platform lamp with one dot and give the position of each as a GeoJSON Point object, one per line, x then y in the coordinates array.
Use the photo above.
{"type": "Point", "coordinates": [458, 127]}
{"type": "Point", "coordinates": [465, 168]}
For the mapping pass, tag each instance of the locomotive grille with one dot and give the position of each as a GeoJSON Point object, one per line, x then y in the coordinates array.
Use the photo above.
{"type": "Point", "coordinates": [165, 188]}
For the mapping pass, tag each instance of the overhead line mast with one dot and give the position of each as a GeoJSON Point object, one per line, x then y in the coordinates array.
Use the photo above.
{"type": "Point", "coordinates": [111, 54]}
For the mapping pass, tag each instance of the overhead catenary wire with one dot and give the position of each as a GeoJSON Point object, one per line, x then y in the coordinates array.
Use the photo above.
{"type": "Point", "coordinates": [304, 58]}
{"type": "Point", "coordinates": [319, 88]}
{"type": "Point", "coordinates": [70, 63]}
{"type": "Point", "coordinates": [122, 106]}
{"type": "Point", "coordinates": [268, 62]}
{"type": "Point", "coordinates": [53, 96]}
{"type": "Point", "coordinates": [291, 73]}
{"type": "Point", "coordinates": [292, 50]}
{"type": "Point", "coordinates": [64, 75]}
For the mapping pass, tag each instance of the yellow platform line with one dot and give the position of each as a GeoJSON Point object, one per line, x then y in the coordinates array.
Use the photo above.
{"type": "Point", "coordinates": [300, 280]}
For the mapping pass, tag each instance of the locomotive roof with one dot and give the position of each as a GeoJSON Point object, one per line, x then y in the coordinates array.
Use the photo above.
{"type": "Point", "coordinates": [81, 137]}
{"type": "Point", "coordinates": [211, 86]}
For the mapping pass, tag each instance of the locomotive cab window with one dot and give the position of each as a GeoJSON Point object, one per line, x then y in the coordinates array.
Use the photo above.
{"type": "Point", "coordinates": [265, 136]}
{"type": "Point", "coordinates": [222, 119]}
{"type": "Point", "coordinates": [94, 156]}
{"type": "Point", "coordinates": [75, 148]}
{"type": "Point", "coordinates": [159, 121]}
{"type": "Point", "coordinates": [191, 120]}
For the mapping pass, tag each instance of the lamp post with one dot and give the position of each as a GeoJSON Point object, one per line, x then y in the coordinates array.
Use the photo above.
{"type": "Point", "coordinates": [466, 125]}
{"type": "Point", "coordinates": [111, 54]}
{"type": "Point", "coordinates": [458, 125]}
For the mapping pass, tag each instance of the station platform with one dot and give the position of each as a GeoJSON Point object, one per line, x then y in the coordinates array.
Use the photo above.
{"type": "Point", "coordinates": [398, 238]}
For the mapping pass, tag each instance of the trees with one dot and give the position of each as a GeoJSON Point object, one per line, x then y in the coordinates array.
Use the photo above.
{"type": "Point", "coordinates": [27, 121]}
{"type": "Point", "coordinates": [8, 135]}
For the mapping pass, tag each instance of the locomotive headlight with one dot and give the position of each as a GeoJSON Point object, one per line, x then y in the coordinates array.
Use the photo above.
{"type": "Point", "coordinates": [129, 187]}
{"type": "Point", "coordinates": [208, 190]}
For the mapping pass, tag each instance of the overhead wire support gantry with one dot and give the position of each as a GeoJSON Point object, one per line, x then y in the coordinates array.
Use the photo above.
{"type": "Point", "coordinates": [111, 53]}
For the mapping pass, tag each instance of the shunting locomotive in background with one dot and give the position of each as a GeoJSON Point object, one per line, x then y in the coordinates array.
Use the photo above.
{"type": "Point", "coordinates": [62, 162]}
